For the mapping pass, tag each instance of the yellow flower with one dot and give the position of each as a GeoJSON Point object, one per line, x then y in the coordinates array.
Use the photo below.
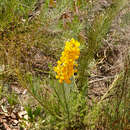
{"type": "Point", "coordinates": [66, 65]}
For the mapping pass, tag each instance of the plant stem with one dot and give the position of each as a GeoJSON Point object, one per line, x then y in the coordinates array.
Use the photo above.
{"type": "Point", "coordinates": [66, 105]}
{"type": "Point", "coordinates": [58, 97]}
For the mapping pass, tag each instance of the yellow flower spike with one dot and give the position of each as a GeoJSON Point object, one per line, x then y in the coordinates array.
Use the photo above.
{"type": "Point", "coordinates": [76, 57]}
{"type": "Point", "coordinates": [55, 69]}
{"type": "Point", "coordinates": [66, 64]}
{"type": "Point", "coordinates": [75, 70]}
{"type": "Point", "coordinates": [77, 44]}
{"type": "Point", "coordinates": [63, 53]}
{"type": "Point", "coordinates": [68, 81]}
{"type": "Point", "coordinates": [58, 62]}
{"type": "Point", "coordinates": [57, 77]}
{"type": "Point", "coordinates": [60, 81]}
{"type": "Point", "coordinates": [62, 78]}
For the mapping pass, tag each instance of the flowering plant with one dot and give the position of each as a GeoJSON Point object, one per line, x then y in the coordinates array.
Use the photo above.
{"type": "Point", "coordinates": [66, 65]}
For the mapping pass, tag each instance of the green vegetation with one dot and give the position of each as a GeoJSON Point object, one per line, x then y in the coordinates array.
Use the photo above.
{"type": "Point", "coordinates": [32, 37]}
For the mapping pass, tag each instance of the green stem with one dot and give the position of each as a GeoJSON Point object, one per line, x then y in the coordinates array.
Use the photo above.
{"type": "Point", "coordinates": [58, 97]}
{"type": "Point", "coordinates": [66, 105]}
